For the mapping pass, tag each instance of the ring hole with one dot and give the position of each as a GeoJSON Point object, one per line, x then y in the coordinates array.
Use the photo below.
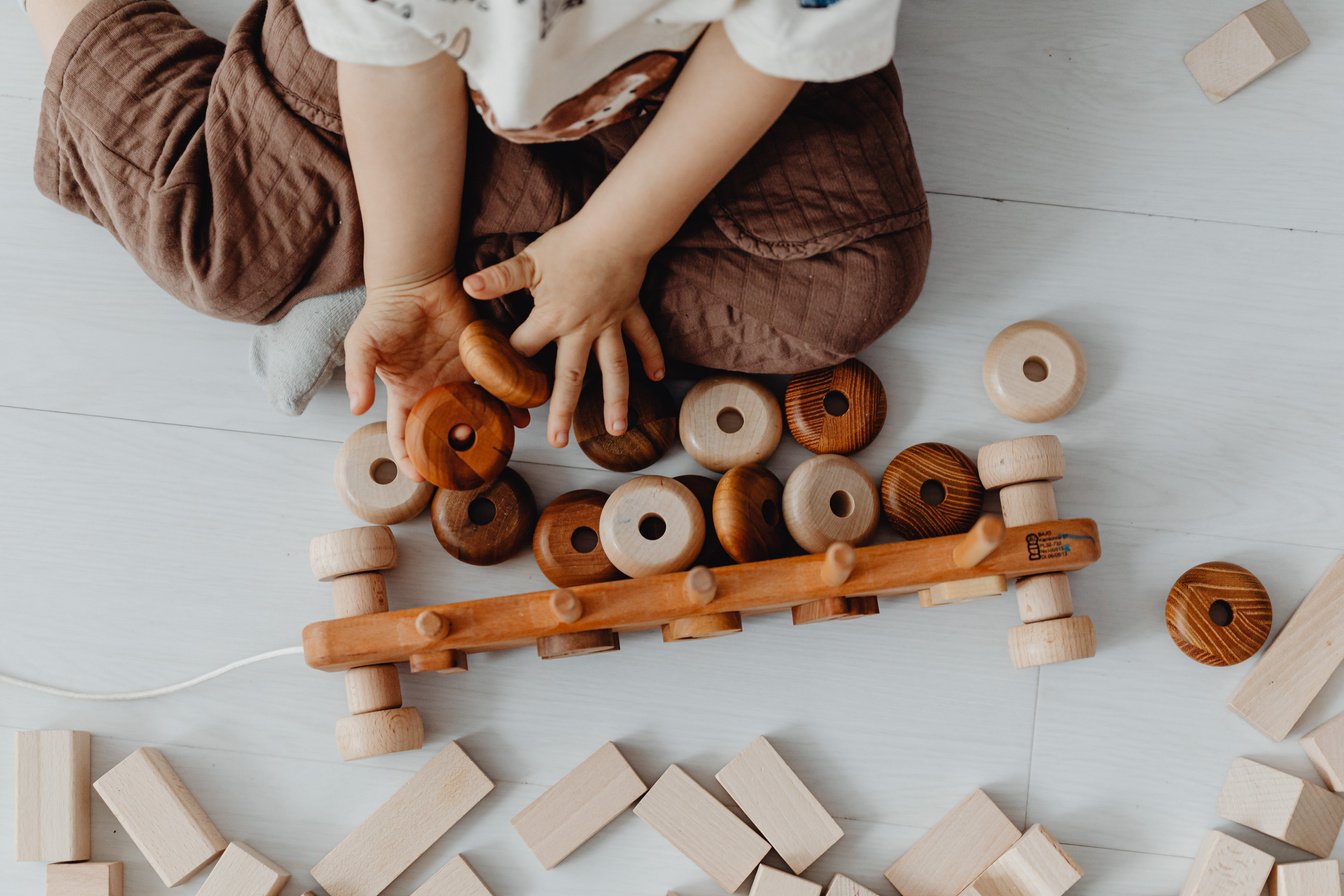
{"type": "Point", "coordinates": [652, 526]}
{"type": "Point", "coordinates": [1035, 369]}
{"type": "Point", "coordinates": [1220, 613]}
{"type": "Point", "coordinates": [583, 540]}
{"type": "Point", "coordinates": [461, 437]}
{"type": "Point", "coordinates": [770, 512]}
{"type": "Point", "coordinates": [730, 420]}
{"type": "Point", "coordinates": [836, 403]}
{"type": "Point", "coordinates": [842, 504]}
{"type": "Point", "coordinates": [481, 511]}
{"type": "Point", "coordinates": [383, 471]}
{"type": "Point", "coordinates": [932, 493]}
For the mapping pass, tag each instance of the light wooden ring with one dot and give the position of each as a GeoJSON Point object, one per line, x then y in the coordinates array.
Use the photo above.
{"type": "Point", "coordinates": [829, 499]}
{"type": "Point", "coordinates": [369, 483]}
{"type": "Point", "coordinates": [437, 452]}
{"type": "Point", "coordinates": [652, 525]}
{"type": "Point", "coordinates": [1034, 371]}
{"type": "Point", "coordinates": [1219, 614]}
{"type": "Point", "coordinates": [495, 364]}
{"type": "Point", "coordinates": [728, 420]}
{"type": "Point", "coordinates": [931, 489]}
{"type": "Point", "coordinates": [1030, 459]}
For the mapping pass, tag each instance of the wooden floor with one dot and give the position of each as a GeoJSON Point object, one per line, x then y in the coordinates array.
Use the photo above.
{"type": "Point", "coordinates": [155, 512]}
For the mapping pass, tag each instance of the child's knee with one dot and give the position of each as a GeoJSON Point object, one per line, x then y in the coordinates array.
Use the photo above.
{"type": "Point", "coordinates": [877, 282]}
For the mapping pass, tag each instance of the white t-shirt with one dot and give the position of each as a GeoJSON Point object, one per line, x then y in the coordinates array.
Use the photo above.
{"type": "Point", "coordinates": [542, 70]}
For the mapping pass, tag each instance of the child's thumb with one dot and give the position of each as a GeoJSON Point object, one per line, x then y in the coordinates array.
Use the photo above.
{"type": "Point", "coordinates": [518, 272]}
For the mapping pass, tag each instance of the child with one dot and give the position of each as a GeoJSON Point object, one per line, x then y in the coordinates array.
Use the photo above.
{"type": "Point", "coordinates": [638, 170]}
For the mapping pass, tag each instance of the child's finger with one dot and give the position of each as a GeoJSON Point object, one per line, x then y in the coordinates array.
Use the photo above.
{"type": "Point", "coordinates": [615, 378]}
{"type": "Point", "coordinates": [518, 272]}
{"type": "Point", "coordinates": [396, 437]}
{"type": "Point", "coordinates": [359, 367]}
{"type": "Point", "coordinates": [532, 336]}
{"type": "Point", "coordinates": [637, 327]}
{"type": "Point", "coordinates": [571, 359]}
{"type": "Point", "coordinates": [520, 417]}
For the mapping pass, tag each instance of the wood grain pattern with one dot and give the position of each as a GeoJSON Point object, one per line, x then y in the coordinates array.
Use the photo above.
{"type": "Point", "coordinates": [488, 524]}
{"type": "Point", "coordinates": [1318, 878]}
{"type": "Point", "coordinates": [1036, 865]}
{"type": "Point", "coordinates": [1324, 746]}
{"type": "Point", "coordinates": [1244, 620]}
{"type": "Point", "coordinates": [821, 431]}
{"type": "Point", "coordinates": [565, 541]}
{"type": "Point", "coordinates": [490, 359]}
{"type": "Point", "coordinates": [844, 886]}
{"type": "Point", "coordinates": [729, 420]}
{"type": "Point", "coordinates": [773, 882]}
{"type": "Point", "coordinates": [1283, 806]}
{"type": "Point", "coordinates": [445, 662]}
{"type": "Point", "coordinates": [369, 483]}
{"type": "Point", "coordinates": [86, 879]}
{"type": "Point", "coordinates": [568, 644]}
{"type": "Point", "coordinates": [1027, 503]}
{"type": "Point", "coordinates": [711, 552]}
{"type": "Point", "coordinates": [652, 525]}
{"type": "Point", "coordinates": [947, 859]}
{"type": "Point", "coordinates": [962, 591]}
{"type": "Point", "coordinates": [1034, 371]}
{"type": "Point", "coordinates": [350, 551]}
{"type": "Point", "coordinates": [51, 796]}
{"type": "Point", "coordinates": [1052, 641]}
{"type": "Point", "coordinates": [830, 499]}
{"type": "Point", "coordinates": [918, 510]}
{"type": "Point", "coordinates": [1042, 598]}
{"type": "Point", "coordinates": [242, 871]}
{"type": "Point", "coordinates": [1258, 40]}
{"type": "Point", "coordinates": [456, 878]}
{"type": "Point", "coordinates": [1225, 866]}
{"type": "Point", "coordinates": [434, 445]}
{"type": "Point", "coordinates": [748, 515]}
{"type": "Point", "coordinates": [651, 425]}
{"type": "Point", "coordinates": [368, 734]}
{"type": "Point", "coordinates": [1029, 459]}
{"type": "Point", "coordinates": [710, 625]}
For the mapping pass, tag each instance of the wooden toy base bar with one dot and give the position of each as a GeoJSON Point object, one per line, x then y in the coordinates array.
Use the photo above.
{"type": "Point", "coordinates": [502, 623]}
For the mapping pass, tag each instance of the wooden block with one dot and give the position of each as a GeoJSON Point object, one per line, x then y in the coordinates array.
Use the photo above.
{"type": "Point", "coordinates": [490, 359]}
{"type": "Point", "coordinates": [843, 886]}
{"type": "Point", "coordinates": [773, 882]}
{"type": "Point", "coordinates": [1030, 459]}
{"type": "Point", "coordinates": [410, 822]}
{"type": "Point", "coordinates": [349, 551]}
{"type": "Point", "coordinates": [369, 483]}
{"type": "Point", "coordinates": [1219, 614]}
{"type": "Point", "coordinates": [379, 733]}
{"type": "Point", "coordinates": [652, 525]}
{"type": "Point", "coordinates": [730, 420]}
{"type": "Point", "coordinates": [242, 871]}
{"type": "Point", "coordinates": [565, 540]}
{"type": "Point", "coordinates": [956, 850]}
{"type": "Point", "coordinates": [161, 816]}
{"type": "Point", "coordinates": [829, 499]}
{"type": "Point", "coordinates": [702, 828]}
{"type": "Point", "coordinates": [1028, 503]}
{"type": "Point", "coordinates": [1042, 598]}
{"type": "Point", "coordinates": [85, 879]}
{"type": "Point", "coordinates": [962, 590]}
{"type": "Point", "coordinates": [748, 515]}
{"type": "Point", "coordinates": [779, 805]}
{"type": "Point", "coordinates": [488, 524]}
{"type": "Point", "coordinates": [579, 805]}
{"type": "Point", "coordinates": [1034, 371]}
{"type": "Point", "coordinates": [1227, 867]}
{"type": "Point", "coordinates": [1281, 805]}
{"type": "Point", "coordinates": [651, 425]}
{"type": "Point", "coordinates": [459, 436]}
{"type": "Point", "coordinates": [931, 489]}
{"type": "Point", "coordinates": [1325, 748]}
{"type": "Point", "coordinates": [1055, 641]}
{"type": "Point", "coordinates": [1256, 41]}
{"type": "Point", "coordinates": [836, 410]}
{"type": "Point", "coordinates": [456, 878]}
{"type": "Point", "coordinates": [1036, 865]}
{"type": "Point", "coordinates": [51, 796]}
{"type": "Point", "coordinates": [1306, 879]}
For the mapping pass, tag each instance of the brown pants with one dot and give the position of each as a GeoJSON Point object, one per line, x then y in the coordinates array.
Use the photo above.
{"type": "Point", "coordinates": [222, 169]}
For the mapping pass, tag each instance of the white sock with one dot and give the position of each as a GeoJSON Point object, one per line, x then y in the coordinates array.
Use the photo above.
{"type": "Point", "coordinates": [295, 356]}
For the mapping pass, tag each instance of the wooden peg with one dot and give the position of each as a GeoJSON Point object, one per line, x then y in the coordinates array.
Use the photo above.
{"type": "Point", "coordinates": [838, 410]}
{"type": "Point", "coordinates": [651, 425]}
{"type": "Point", "coordinates": [729, 420]}
{"type": "Point", "coordinates": [1325, 748]}
{"type": "Point", "coordinates": [86, 879]}
{"type": "Point", "coordinates": [1258, 40]}
{"type": "Point", "coordinates": [712, 553]}
{"type": "Point", "coordinates": [701, 585]}
{"type": "Point", "coordinates": [449, 456]}
{"type": "Point", "coordinates": [1284, 806]}
{"type": "Point", "coordinates": [555, 647]}
{"type": "Point", "coordinates": [1044, 597]}
{"type": "Point", "coordinates": [432, 625]}
{"type": "Point", "coordinates": [565, 541]}
{"type": "Point", "coordinates": [51, 796]}
{"type": "Point", "coordinates": [567, 608]}
{"type": "Point", "coordinates": [983, 539]}
{"type": "Point", "coordinates": [836, 568]}
{"type": "Point", "coordinates": [1028, 503]}
{"type": "Point", "coordinates": [706, 625]}
{"type": "Point", "coordinates": [1030, 459]}
{"type": "Point", "coordinates": [747, 515]}
{"type": "Point", "coordinates": [369, 482]}
{"type": "Point", "coordinates": [931, 489]}
{"type": "Point", "coordinates": [1034, 371]}
{"type": "Point", "coordinates": [488, 524]}
{"type": "Point", "coordinates": [446, 662]}
{"type": "Point", "coordinates": [829, 498]}
{"type": "Point", "coordinates": [1219, 614]}
{"type": "Point", "coordinates": [242, 871]}
{"type": "Point", "coordinates": [839, 564]}
{"type": "Point", "coordinates": [1225, 866]}
{"type": "Point", "coordinates": [349, 551]}
{"type": "Point", "coordinates": [490, 359]}
{"type": "Point", "coordinates": [652, 525]}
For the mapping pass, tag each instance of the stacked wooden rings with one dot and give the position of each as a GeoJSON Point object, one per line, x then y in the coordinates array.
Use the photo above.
{"type": "Point", "coordinates": [1034, 371]}
{"type": "Point", "coordinates": [459, 436]}
{"type": "Point", "coordinates": [727, 421]}
{"type": "Point", "coordinates": [931, 489]}
{"type": "Point", "coordinates": [838, 410]}
{"type": "Point", "coordinates": [369, 482]}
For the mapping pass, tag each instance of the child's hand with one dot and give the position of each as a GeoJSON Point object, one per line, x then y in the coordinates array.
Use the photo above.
{"type": "Point", "coordinates": [585, 285]}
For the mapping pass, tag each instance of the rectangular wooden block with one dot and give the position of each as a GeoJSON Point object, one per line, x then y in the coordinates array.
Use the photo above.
{"type": "Point", "coordinates": [242, 871]}
{"type": "Point", "coordinates": [1325, 748]}
{"type": "Point", "coordinates": [703, 829]}
{"type": "Point", "coordinates": [1227, 867]}
{"type": "Point", "coordinates": [1245, 48]}
{"type": "Point", "coordinates": [401, 829]}
{"type": "Point", "coordinates": [843, 886]}
{"type": "Point", "coordinates": [454, 879]}
{"type": "Point", "coordinates": [579, 805]}
{"type": "Point", "coordinates": [773, 882]}
{"type": "Point", "coordinates": [1036, 865]}
{"type": "Point", "coordinates": [85, 879]}
{"type": "Point", "coordinates": [1301, 660]}
{"type": "Point", "coordinates": [52, 796]}
{"type": "Point", "coordinates": [161, 816]}
{"type": "Point", "coordinates": [956, 850]}
{"type": "Point", "coordinates": [780, 805]}
{"type": "Point", "coordinates": [1281, 805]}
{"type": "Point", "coordinates": [1306, 879]}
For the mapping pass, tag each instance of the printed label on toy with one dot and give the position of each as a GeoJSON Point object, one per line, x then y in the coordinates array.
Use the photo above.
{"type": "Point", "coordinates": [1052, 545]}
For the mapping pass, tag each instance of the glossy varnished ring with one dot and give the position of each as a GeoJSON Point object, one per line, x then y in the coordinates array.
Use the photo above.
{"type": "Point", "coordinates": [838, 410]}
{"type": "Point", "coordinates": [931, 489]}
{"type": "Point", "coordinates": [451, 459]}
{"type": "Point", "coordinates": [1219, 614]}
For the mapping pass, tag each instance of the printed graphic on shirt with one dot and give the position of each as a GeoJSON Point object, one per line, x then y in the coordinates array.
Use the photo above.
{"type": "Point", "coordinates": [552, 10]}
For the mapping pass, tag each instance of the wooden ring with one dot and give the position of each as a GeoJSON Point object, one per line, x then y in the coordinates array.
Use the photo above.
{"type": "Point", "coordinates": [931, 489]}
{"type": "Point", "coordinates": [652, 525]}
{"type": "Point", "coordinates": [698, 628]}
{"type": "Point", "coordinates": [838, 410]}
{"type": "Point", "coordinates": [369, 483]}
{"type": "Point", "coordinates": [486, 525]}
{"type": "Point", "coordinates": [829, 499]}
{"type": "Point", "coordinates": [350, 551]}
{"type": "Point", "coordinates": [1030, 459]}
{"type": "Point", "coordinates": [712, 553]}
{"type": "Point", "coordinates": [566, 544]}
{"type": "Point", "coordinates": [1219, 614]}
{"type": "Point", "coordinates": [501, 371]}
{"type": "Point", "coordinates": [1034, 371]}
{"type": "Point", "coordinates": [555, 647]}
{"type": "Point", "coordinates": [440, 455]}
{"type": "Point", "coordinates": [651, 425]}
{"type": "Point", "coordinates": [1054, 641]}
{"type": "Point", "coordinates": [727, 421]}
{"type": "Point", "coordinates": [748, 515]}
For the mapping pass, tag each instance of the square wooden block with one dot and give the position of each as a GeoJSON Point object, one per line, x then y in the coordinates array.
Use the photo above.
{"type": "Point", "coordinates": [1227, 867]}
{"type": "Point", "coordinates": [773, 882]}
{"type": "Point", "coordinates": [956, 850]}
{"type": "Point", "coordinates": [52, 796]}
{"type": "Point", "coordinates": [1245, 48]}
{"type": "Point", "coordinates": [85, 879]}
{"type": "Point", "coordinates": [1325, 748]}
{"type": "Point", "coordinates": [1281, 805]}
{"type": "Point", "coordinates": [1306, 879]}
{"type": "Point", "coordinates": [1036, 865]}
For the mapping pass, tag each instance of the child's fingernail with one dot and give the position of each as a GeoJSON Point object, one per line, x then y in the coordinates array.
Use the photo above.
{"type": "Point", "coordinates": [658, 374]}
{"type": "Point", "coordinates": [617, 426]}
{"type": "Point", "coordinates": [475, 281]}
{"type": "Point", "coordinates": [558, 439]}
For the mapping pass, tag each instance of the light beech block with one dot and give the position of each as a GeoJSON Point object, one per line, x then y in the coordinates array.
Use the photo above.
{"type": "Point", "coordinates": [1054, 641]}
{"type": "Point", "coordinates": [410, 822]}
{"type": "Point", "coordinates": [1042, 598]}
{"type": "Point", "coordinates": [702, 828]}
{"type": "Point", "coordinates": [962, 590]}
{"type": "Point", "coordinates": [1306, 879]}
{"type": "Point", "coordinates": [52, 796]}
{"type": "Point", "coordinates": [1030, 459]}
{"type": "Point", "coordinates": [1227, 867]}
{"type": "Point", "coordinates": [844, 886]}
{"type": "Point", "coordinates": [1281, 805]}
{"type": "Point", "coordinates": [349, 551]}
{"type": "Point", "coordinates": [579, 805]}
{"type": "Point", "coordinates": [779, 805]}
{"type": "Point", "coordinates": [85, 879]}
{"type": "Point", "coordinates": [1299, 662]}
{"type": "Point", "coordinates": [161, 816]}
{"type": "Point", "coordinates": [1258, 40]}
{"type": "Point", "coordinates": [1036, 865]}
{"type": "Point", "coordinates": [1028, 503]}
{"type": "Point", "coordinates": [371, 688]}
{"type": "Point", "coordinates": [1325, 748]}
{"type": "Point", "coordinates": [457, 878]}
{"type": "Point", "coordinates": [956, 850]}
{"type": "Point", "coordinates": [242, 871]}
{"type": "Point", "coordinates": [773, 882]}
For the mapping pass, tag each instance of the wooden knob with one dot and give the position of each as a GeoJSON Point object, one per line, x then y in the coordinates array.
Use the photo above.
{"type": "Point", "coordinates": [838, 410]}
{"type": "Point", "coordinates": [567, 608]}
{"type": "Point", "coordinates": [1219, 614]}
{"type": "Point", "coordinates": [701, 586]}
{"type": "Point", "coordinates": [1044, 597]}
{"type": "Point", "coordinates": [652, 525]}
{"type": "Point", "coordinates": [829, 498]}
{"type": "Point", "coordinates": [696, 628]}
{"type": "Point", "coordinates": [446, 662]}
{"type": "Point", "coordinates": [555, 647]}
{"type": "Point", "coordinates": [1034, 371]}
{"type": "Point", "coordinates": [459, 436]}
{"type": "Point", "coordinates": [501, 371]}
{"type": "Point", "coordinates": [983, 539]}
{"type": "Point", "coordinates": [486, 525]}
{"type": "Point", "coordinates": [748, 516]}
{"type": "Point", "coordinates": [369, 483]}
{"type": "Point", "coordinates": [1056, 641]}
{"type": "Point", "coordinates": [566, 543]}
{"type": "Point", "coordinates": [349, 551]}
{"type": "Point", "coordinates": [728, 420]}
{"type": "Point", "coordinates": [1028, 503]}
{"type": "Point", "coordinates": [372, 688]}
{"type": "Point", "coordinates": [839, 564]}
{"type": "Point", "coordinates": [359, 594]}
{"type": "Point", "coordinates": [651, 425]}
{"type": "Point", "coordinates": [1031, 459]}
{"type": "Point", "coordinates": [378, 733]}
{"type": "Point", "coordinates": [431, 625]}
{"type": "Point", "coordinates": [931, 489]}
{"type": "Point", "coordinates": [711, 553]}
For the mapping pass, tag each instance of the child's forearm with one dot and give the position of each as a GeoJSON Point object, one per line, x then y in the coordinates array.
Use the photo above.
{"type": "Point", "coordinates": [715, 112]}
{"type": "Point", "coordinates": [406, 131]}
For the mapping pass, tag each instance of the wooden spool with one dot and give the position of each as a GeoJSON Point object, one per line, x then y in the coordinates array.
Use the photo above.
{"type": "Point", "coordinates": [838, 410]}
{"type": "Point", "coordinates": [748, 515]}
{"type": "Point", "coordinates": [712, 552]}
{"type": "Point", "coordinates": [371, 688]}
{"type": "Point", "coordinates": [486, 525]}
{"type": "Point", "coordinates": [1219, 614]}
{"type": "Point", "coordinates": [349, 551]}
{"type": "Point", "coordinates": [566, 544]}
{"type": "Point", "coordinates": [1034, 371]}
{"type": "Point", "coordinates": [651, 425]}
{"type": "Point", "coordinates": [829, 499]}
{"type": "Point", "coordinates": [443, 453]}
{"type": "Point", "coordinates": [1030, 459]}
{"type": "Point", "coordinates": [555, 647]}
{"type": "Point", "coordinates": [369, 483]}
{"type": "Point", "coordinates": [501, 371]}
{"type": "Point", "coordinates": [729, 420]}
{"type": "Point", "coordinates": [652, 525]}
{"type": "Point", "coordinates": [931, 489]}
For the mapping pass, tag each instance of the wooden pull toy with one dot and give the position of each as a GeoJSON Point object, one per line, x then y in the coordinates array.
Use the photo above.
{"type": "Point", "coordinates": [501, 371]}
{"type": "Point", "coordinates": [488, 524]}
{"type": "Point", "coordinates": [651, 425]}
{"type": "Point", "coordinates": [369, 483]}
{"type": "Point", "coordinates": [727, 421]}
{"type": "Point", "coordinates": [931, 489]}
{"type": "Point", "coordinates": [566, 544]}
{"type": "Point", "coordinates": [1219, 614]}
{"type": "Point", "coordinates": [1034, 371]}
{"type": "Point", "coordinates": [459, 436]}
{"type": "Point", "coordinates": [838, 410]}
{"type": "Point", "coordinates": [977, 544]}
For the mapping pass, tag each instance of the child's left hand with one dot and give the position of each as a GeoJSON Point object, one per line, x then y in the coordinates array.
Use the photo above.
{"type": "Point", "coordinates": [585, 285]}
